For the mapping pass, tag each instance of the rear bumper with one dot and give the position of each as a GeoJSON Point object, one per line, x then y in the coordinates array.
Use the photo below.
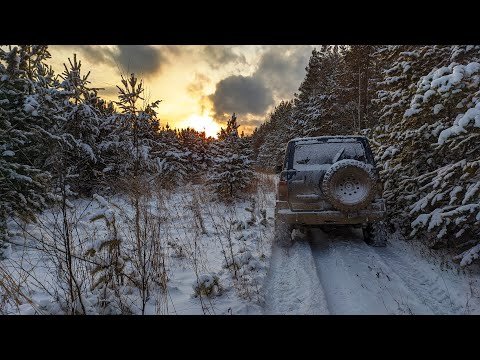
{"type": "Point", "coordinates": [326, 217]}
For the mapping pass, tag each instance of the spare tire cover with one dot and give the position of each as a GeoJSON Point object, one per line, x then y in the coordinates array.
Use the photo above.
{"type": "Point", "coordinates": [349, 185]}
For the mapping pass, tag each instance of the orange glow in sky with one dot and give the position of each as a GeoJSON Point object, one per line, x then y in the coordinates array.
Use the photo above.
{"type": "Point", "coordinates": [188, 78]}
{"type": "Point", "coordinates": [201, 123]}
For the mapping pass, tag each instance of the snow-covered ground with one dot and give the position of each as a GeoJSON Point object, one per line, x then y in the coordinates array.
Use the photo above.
{"type": "Point", "coordinates": [225, 253]}
{"type": "Point", "coordinates": [340, 274]}
{"type": "Point", "coordinates": [202, 244]}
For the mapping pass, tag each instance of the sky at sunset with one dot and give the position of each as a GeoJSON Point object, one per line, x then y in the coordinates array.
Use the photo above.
{"type": "Point", "coordinates": [200, 85]}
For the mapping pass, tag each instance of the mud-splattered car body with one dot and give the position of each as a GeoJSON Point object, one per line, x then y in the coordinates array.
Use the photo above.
{"type": "Point", "coordinates": [329, 180]}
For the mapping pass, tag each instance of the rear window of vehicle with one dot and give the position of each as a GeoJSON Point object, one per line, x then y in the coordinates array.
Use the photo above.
{"type": "Point", "coordinates": [311, 155]}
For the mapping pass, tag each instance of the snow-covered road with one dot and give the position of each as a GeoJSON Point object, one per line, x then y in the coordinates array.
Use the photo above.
{"type": "Point", "coordinates": [339, 274]}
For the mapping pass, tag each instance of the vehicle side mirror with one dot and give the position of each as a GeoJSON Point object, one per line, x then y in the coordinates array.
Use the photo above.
{"type": "Point", "coordinates": [278, 169]}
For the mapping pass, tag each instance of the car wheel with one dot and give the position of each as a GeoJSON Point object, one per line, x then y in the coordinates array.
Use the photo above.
{"type": "Point", "coordinates": [375, 234]}
{"type": "Point", "coordinates": [283, 233]}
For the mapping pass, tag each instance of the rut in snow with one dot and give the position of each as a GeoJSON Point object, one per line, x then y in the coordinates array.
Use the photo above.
{"type": "Point", "coordinates": [338, 273]}
{"type": "Point", "coordinates": [425, 282]}
{"type": "Point", "coordinates": [292, 284]}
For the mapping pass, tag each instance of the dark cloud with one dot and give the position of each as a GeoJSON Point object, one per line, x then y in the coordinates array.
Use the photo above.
{"type": "Point", "coordinates": [148, 59]}
{"type": "Point", "coordinates": [220, 55]}
{"type": "Point", "coordinates": [242, 95]}
{"type": "Point", "coordinates": [93, 53]}
{"type": "Point", "coordinates": [140, 59]}
{"type": "Point", "coordinates": [143, 60]}
{"type": "Point", "coordinates": [278, 75]}
{"type": "Point", "coordinates": [278, 72]}
{"type": "Point", "coordinates": [97, 54]}
{"type": "Point", "coordinates": [282, 68]}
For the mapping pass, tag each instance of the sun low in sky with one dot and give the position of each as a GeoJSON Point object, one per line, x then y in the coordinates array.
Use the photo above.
{"type": "Point", "coordinates": [201, 123]}
{"type": "Point", "coordinates": [200, 86]}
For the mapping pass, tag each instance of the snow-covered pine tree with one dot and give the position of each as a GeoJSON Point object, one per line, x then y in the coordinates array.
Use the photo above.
{"type": "Point", "coordinates": [77, 124]}
{"type": "Point", "coordinates": [115, 145]}
{"type": "Point", "coordinates": [24, 135]}
{"type": "Point", "coordinates": [358, 86]}
{"type": "Point", "coordinates": [447, 203]}
{"type": "Point", "coordinates": [278, 130]}
{"type": "Point", "coordinates": [307, 111]}
{"type": "Point", "coordinates": [195, 145]}
{"type": "Point", "coordinates": [317, 110]}
{"type": "Point", "coordinates": [231, 171]}
{"type": "Point", "coordinates": [171, 159]}
{"type": "Point", "coordinates": [428, 146]}
{"type": "Point", "coordinates": [111, 134]}
{"type": "Point", "coordinates": [128, 138]}
{"type": "Point", "coordinates": [402, 150]}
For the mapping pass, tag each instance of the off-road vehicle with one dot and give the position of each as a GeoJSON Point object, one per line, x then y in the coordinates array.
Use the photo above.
{"type": "Point", "coordinates": [330, 180]}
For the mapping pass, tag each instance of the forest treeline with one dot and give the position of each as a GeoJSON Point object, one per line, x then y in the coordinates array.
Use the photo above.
{"type": "Point", "coordinates": [420, 107]}
{"type": "Point", "coordinates": [59, 139]}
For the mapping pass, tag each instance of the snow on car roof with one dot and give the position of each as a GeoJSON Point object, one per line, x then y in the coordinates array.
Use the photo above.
{"type": "Point", "coordinates": [333, 138]}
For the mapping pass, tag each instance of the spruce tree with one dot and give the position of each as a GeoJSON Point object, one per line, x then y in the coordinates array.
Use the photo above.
{"type": "Point", "coordinates": [278, 131]}
{"type": "Point", "coordinates": [427, 143]}
{"type": "Point", "coordinates": [447, 102]}
{"type": "Point", "coordinates": [128, 138]}
{"type": "Point", "coordinates": [172, 161]}
{"type": "Point", "coordinates": [317, 108]}
{"type": "Point", "coordinates": [358, 86]}
{"type": "Point", "coordinates": [231, 171]}
{"type": "Point", "coordinates": [399, 141]}
{"type": "Point", "coordinates": [78, 127]}
{"type": "Point", "coordinates": [195, 146]}
{"type": "Point", "coordinates": [24, 133]}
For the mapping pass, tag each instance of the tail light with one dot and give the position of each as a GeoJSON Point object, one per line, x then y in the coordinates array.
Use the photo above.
{"type": "Point", "coordinates": [283, 189]}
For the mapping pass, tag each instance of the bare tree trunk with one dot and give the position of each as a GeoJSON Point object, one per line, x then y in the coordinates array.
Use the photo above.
{"type": "Point", "coordinates": [359, 99]}
{"type": "Point", "coordinates": [140, 251]}
{"type": "Point", "coordinates": [367, 82]}
{"type": "Point", "coordinates": [67, 239]}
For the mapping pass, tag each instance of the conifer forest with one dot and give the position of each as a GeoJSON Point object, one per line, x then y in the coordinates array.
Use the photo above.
{"type": "Point", "coordinates": [107, 209]}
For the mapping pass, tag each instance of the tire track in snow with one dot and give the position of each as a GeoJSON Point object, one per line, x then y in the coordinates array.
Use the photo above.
{"type": "Point", "coordinates": [340, 274]}
{"type": "Point", "coordinates": [355, 279]}
{"type": "Point", "coordinates": [359, 279]}
{"type": "Point", "coordinates": [430, 289]}
{"type": "Point", "coordinates": [292, 284]}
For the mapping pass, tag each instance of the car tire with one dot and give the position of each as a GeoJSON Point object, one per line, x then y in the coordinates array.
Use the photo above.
{"type": "Point", "coordinates": [375, 234]}
{"type": "Point", "coordinates": [349, 185]}
{"type": "Point", "coordinates": [283, 233]}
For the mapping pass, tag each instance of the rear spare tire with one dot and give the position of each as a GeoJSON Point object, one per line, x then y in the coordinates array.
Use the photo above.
{"type": "Point", "coordinates": [349, 185]}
